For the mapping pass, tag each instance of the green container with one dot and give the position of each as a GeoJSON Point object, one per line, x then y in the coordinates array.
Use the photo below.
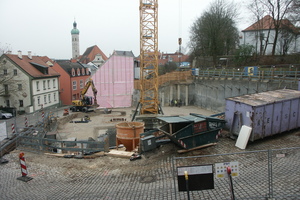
{"type": "Point", "coordinates": [192, 131]}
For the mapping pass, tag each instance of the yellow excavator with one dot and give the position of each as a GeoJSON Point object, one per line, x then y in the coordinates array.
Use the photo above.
{"type": "Point", "coordinates": [86, 102]}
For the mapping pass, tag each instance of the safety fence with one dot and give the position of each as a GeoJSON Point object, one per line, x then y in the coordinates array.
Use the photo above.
{"type": "Point", "coordinates": [265, 174]}
{"type": "Point", "coordinates": [260, 75]}
{"type": "Point", "coordinates": [188, 76]}
{"type": "Point", "coordinates": [23, 122]}
{"type": "Point", "coordinates": [41, 145]}
{"type": "Point", "coordinates": [179, 76]}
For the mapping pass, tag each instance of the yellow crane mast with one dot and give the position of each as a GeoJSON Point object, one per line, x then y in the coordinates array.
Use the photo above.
{"type": "Point", "coordinates": [149, 103]}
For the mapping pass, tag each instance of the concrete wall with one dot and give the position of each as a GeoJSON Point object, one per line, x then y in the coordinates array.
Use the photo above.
{"type": "Point", "coordinates": [210, 93]}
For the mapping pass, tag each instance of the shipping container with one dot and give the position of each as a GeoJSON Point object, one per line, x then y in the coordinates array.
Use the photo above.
{"type": "Point", "coordinates": [267, 113]}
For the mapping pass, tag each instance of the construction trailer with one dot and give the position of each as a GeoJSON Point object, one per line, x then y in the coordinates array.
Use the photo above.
{"type": "Point", "coordinates": [267, 113]}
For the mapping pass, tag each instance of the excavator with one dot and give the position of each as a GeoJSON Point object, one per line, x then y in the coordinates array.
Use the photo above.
{"type": "Point", "coordinates": [86, 102]}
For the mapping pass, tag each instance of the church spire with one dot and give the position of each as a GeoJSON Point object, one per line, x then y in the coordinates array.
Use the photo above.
{"type": "Point", "coordinates": [75, 41]}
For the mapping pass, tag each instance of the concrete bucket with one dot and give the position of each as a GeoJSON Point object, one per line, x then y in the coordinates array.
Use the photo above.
{"type": "Point", "coordinates": [128, 134]}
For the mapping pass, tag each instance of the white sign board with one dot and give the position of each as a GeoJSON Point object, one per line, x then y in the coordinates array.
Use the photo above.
{"type": "Point", "coordinates": [221, 169]}
{"type": "Point", "coordinates": [193, 170]}
{"type": "Point", "coordinates": [3, 133]}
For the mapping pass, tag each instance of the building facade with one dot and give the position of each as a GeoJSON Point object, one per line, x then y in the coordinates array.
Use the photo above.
{"type": "Point", "coordinates": [28, 83]}
{"type": "Point", "coordinates": [114, 81]}
{"type": "Point", "coordinates": [261, 36]}
{"type": "Point", "coordinates": [73, 79]}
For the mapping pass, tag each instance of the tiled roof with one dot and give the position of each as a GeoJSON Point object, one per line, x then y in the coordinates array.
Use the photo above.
{"type": "Point", "coordinates": [124, 53]}
{"type": "Point", "coordinates": [67, 65]}
{"type": "Point", "coordinates": [33, 66]}
{"type": "Point", "coordinates": [90, 53]}
{"type": "Point", "coordinates": [266, 23]}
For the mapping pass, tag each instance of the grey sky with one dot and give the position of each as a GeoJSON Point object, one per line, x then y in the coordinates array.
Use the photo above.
{"type": "Point", "coordinates": [44, 27]}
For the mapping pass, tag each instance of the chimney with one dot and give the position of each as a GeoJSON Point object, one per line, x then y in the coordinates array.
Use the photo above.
{"type": "Point", "coordinates": [29, 55]}
{"type": "Point", "coordinates": [8, 52]}
{"type": "Point", "coordinates": [20, 54]}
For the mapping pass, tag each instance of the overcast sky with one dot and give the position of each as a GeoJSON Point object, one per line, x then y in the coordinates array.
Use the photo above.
{"type": "Point", "coordinates": [44, 27]}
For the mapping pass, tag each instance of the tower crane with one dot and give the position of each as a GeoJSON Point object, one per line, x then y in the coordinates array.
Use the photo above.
{"type": "Point", "coordinates": [149, 103]}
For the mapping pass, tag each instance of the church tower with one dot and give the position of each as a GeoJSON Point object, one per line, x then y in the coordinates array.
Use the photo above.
{"type": "Point", "coordinates": [75, 41]}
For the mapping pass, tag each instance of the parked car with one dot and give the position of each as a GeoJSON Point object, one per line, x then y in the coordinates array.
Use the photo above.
{"type": "Point", "coordinates": [5, 115]}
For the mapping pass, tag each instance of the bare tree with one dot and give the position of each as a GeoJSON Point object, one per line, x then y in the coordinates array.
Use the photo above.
{"type": "Point", "coordinates": [215, 32]}
{"type": "Point", "coordinates": [261, 40]}
{"type": "Point", "coordinates": [277, 9]}
{"type": "Point", "coordinates": [294, 12]}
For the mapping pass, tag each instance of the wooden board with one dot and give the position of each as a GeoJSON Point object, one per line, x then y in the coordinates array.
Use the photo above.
{"type": "Point", "coordinates": [200, 147]}
{"type": "Point", "coordinates": [119, 153]}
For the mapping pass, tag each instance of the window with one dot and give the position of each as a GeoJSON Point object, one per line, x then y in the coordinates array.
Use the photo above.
{"type": "Point", "coordinates": [44, 85]}
{"type": "Point", "coordinates": [48, 84]}
{"type": "Point", "coordinates": [38, 100]}
{"type": "Point", "coordinates": [54, 83]}
{"type": "Point", "coordinates": [73, 96]}
{"type": "Point", "coordinates": [87, 71]}
{"type": "Point", "coordinates": [81, 84]}
{"type": "Point", "coordinates": [5, 71]}
{"type": "Point", "coordinates": [45, 99]}
{"type": "Point", "coordinates": [78, 72]}
{"type": "Point", "coordinates": [73, 72]}
{"type": "Point", "coordinates": [83, 71]}
{"type": "Point", "coordinates": [19, 86]}
{"type": "Point", "coordinates": [15, 72]}
{"type": "Point", "coordinates": [74, 85]}
{"type": "Point", "coordinates": [21, 103]}
{"type": "Point", "coordinates": [54, 97]}
{"type": "Point", "coordinates": [5, 88]}
{"type": "Point", "coordinates": [38, 86]}
{"type": "Point", "coordinates": [49, 98]}
{"type": "Point", "coordinates": [7, 103]}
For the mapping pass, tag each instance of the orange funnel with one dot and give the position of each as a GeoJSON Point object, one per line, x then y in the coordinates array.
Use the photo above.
{"type": "Point", "coordinates": [128, 134]}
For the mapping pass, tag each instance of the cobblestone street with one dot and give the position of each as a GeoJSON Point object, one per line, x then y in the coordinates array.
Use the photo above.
{"type": "Point", "coordinates": [152, 177]}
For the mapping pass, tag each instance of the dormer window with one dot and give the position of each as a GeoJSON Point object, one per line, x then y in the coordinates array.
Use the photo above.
{"type": "Point", "coordinates": [73, 72]}
{"type": "Point", "coordinates": [78, 72]}
{"type": "Point", "coordinates": [87, 71]}
{"type": "Point", "coordinates": [82, 71]}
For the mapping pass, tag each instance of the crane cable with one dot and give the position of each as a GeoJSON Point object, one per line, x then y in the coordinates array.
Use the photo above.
{"type": "Point", "coordinates": [180, 30]}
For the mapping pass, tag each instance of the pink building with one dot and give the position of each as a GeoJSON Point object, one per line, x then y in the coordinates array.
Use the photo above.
{"type": "Point", "coordinates": [114, 81]}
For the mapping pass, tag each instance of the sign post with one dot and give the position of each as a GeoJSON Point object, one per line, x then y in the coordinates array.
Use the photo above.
{"type": "Point", "coordinates": [187, 184]}
{"type": "Point", "coordinates": [229, 169]}
{"type": "Point", "coordinates": [230, 183]}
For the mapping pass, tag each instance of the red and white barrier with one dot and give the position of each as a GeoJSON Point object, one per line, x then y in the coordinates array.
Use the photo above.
{"type": "Point", "coordinates": [182, 143]}
{"type": "Point", "coordinates": [13, 131]}
{"type": "Point", "coordinates": [24, 171]}
{"type": "Point", "coordinates": [23, 164]}
{"type": "Point", "coordinates": [26, 122]}
{"type": "Point", "coordinates": [43, 115]}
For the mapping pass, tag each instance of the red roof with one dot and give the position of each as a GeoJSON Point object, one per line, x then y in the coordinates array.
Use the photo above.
{"type": "Point", "coordinates": [267, 23]}
{"type": "Point", "coordinates": [90, 53]}
{"type": "Point", "coordinates": [28, 65]}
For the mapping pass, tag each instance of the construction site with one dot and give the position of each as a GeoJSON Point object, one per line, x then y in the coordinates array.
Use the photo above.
{"type": "Point", "coordinates": [215, 135]}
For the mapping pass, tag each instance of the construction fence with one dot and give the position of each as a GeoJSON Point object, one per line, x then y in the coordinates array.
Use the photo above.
{"type": "Point", "coordinates": [36, 132]}
{"type": "Point", "coordinates": [265, 174]}
{"type": "Point", "coordinates": [179, 76]}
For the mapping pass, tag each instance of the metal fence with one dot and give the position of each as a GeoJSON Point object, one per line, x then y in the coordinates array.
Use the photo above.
{"type": "Point", "coordinates": [37, 144]}
{"type": "Point", "coordinates": [260, 75]}
{"type": "Point", "coordinates": [29, 132]}
{"type": "Point", "coordinates": [17, 124]}
{"type": "Point", "coordinates": [266, 174]}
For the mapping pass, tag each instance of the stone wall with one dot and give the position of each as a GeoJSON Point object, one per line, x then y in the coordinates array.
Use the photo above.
{"type": "Point", "coordinates": [211, 93]}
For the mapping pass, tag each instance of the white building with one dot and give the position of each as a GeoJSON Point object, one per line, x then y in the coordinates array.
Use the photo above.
{"type": "Point", "coordinates": [28, 83]}
{"type": "Point", "coordinates": [261, 36]}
